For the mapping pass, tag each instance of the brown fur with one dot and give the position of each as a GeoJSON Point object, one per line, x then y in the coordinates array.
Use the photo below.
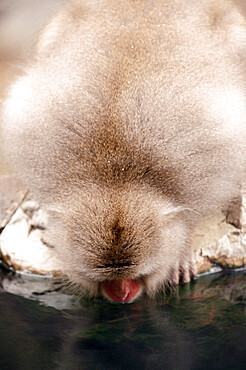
{"type": "Point", "coordinates": [129, 127]}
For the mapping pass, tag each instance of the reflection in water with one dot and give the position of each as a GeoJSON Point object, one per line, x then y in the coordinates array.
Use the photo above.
{"type": "Point", "coordinates": [200, 326]}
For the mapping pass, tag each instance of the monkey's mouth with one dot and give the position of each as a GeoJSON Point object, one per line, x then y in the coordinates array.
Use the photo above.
{"type": "Point", "coordinates": [122, 291]}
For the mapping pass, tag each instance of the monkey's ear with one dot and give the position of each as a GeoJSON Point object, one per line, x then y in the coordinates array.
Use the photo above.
{"type": "Point", "coordinates": [241, 5]}
{"type": "Point", "coordinates": [60, 26]}
{"type": "Point", "coordinates": [230, 24]}
{"type": "Point", "coordinates": [50, 35]}
{"type": "Point", "coordinates": [20, 24]}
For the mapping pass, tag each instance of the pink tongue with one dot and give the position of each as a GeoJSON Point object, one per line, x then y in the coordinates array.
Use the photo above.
{"type": "Point", "coordinates": [122, 290]}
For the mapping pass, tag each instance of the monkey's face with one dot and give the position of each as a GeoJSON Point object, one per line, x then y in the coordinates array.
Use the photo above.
{"type": "Point", "coordinates": [120, 244]}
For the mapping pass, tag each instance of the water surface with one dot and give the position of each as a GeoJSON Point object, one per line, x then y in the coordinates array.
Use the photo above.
{"type": "Point", "coordinates": [199, 326]}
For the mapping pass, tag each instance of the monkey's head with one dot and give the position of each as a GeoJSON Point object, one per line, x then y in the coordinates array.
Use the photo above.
{"type": "Point", "coordinates": [112, 130]}
{"type": "Point", "coordinates": [118, 243]}
{"type": "Point", "coordinates": [114, 228]}
{"type": "Point", "coordinates": [112, 225]}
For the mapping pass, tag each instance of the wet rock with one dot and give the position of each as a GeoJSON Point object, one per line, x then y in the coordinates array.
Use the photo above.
{"type": "Point", "coordinates": [221, 240]}
{"type": "Point", "coordinates": [228, 252]}
{"type": "Point", "coordinates": [21, 243]}
{"type": "Point", "coordinates": [49, 292]}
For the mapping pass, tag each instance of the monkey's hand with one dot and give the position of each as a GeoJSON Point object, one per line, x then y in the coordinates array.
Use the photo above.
{"type": "Point", "coordinates": [184, 270]}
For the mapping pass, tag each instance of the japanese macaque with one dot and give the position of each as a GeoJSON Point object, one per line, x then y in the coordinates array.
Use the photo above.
{"type": "Point", "coordinates": [129, 126]}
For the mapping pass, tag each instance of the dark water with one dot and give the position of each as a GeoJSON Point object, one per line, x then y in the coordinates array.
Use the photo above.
{"type": "Point", "coordinates": [200, 326]}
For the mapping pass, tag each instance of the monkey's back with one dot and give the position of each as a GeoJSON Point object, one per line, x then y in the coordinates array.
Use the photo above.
{"type": "Point", "coordinates": [143, 92]}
